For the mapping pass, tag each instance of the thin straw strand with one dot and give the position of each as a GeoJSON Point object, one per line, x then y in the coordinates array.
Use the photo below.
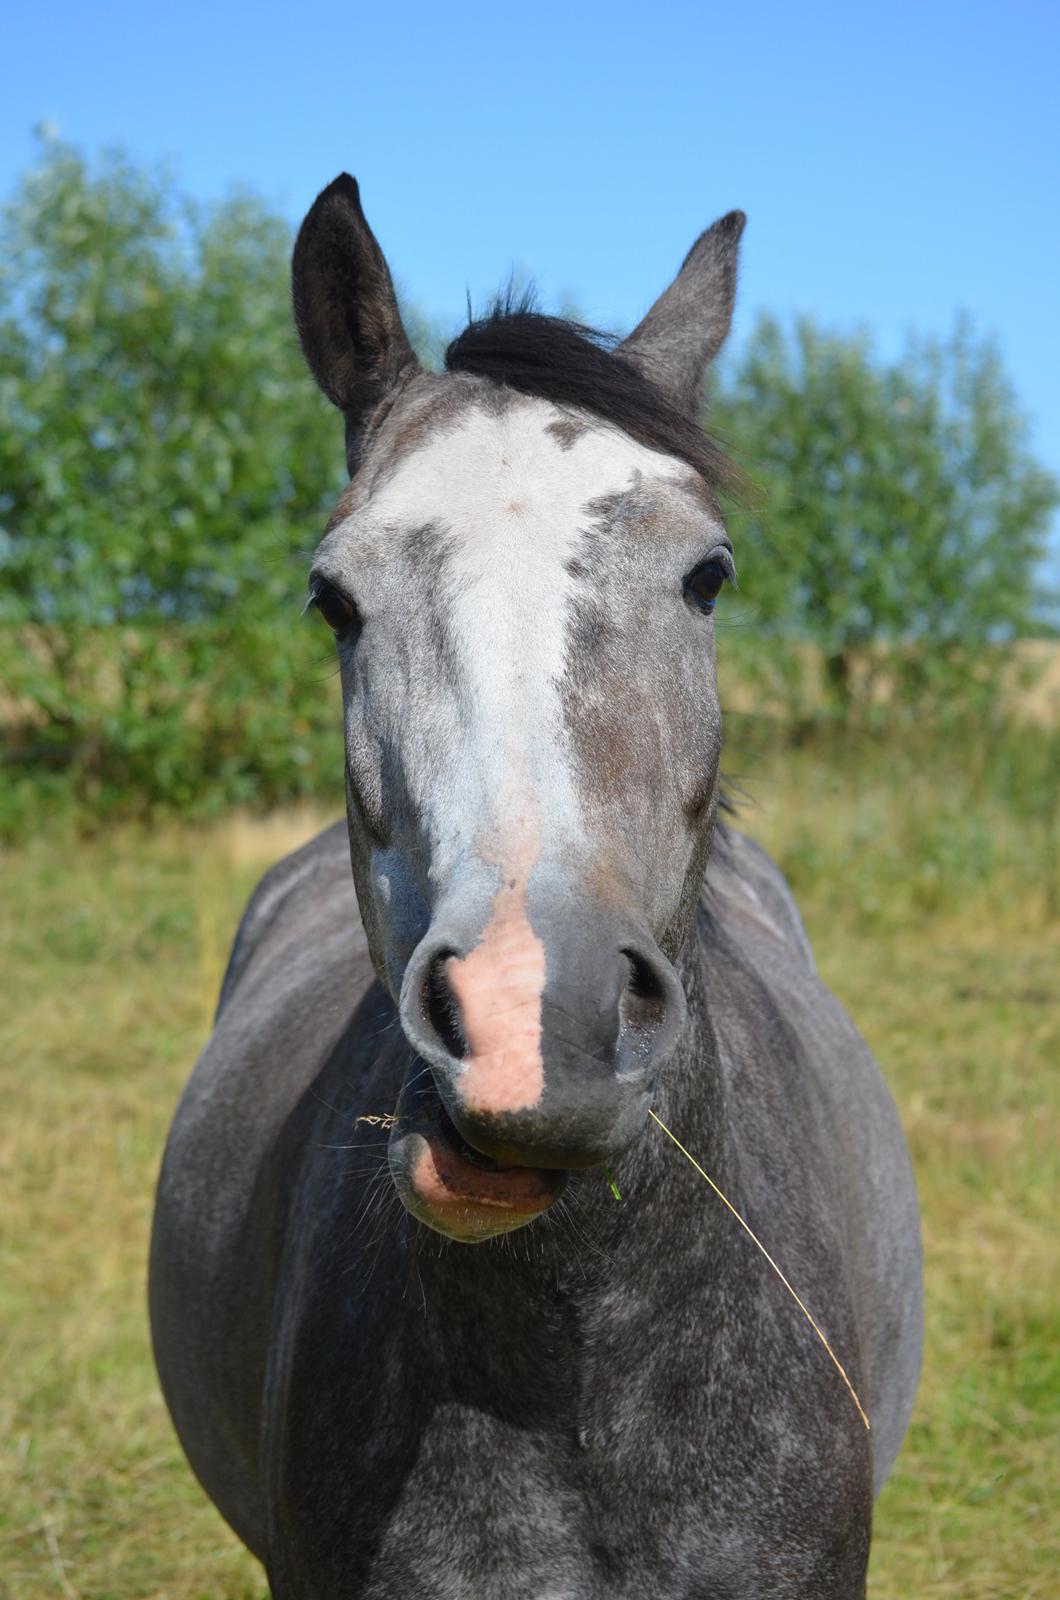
{"type": "Point", "coordinates": [749, 1230]}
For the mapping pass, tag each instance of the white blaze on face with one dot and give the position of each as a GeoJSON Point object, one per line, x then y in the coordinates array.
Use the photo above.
{"type": "Point", "coordinates": [499, 984]}
{"type": "Point", "coordinates": [512, 505]}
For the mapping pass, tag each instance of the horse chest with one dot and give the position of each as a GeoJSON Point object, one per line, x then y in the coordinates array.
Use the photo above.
{"type": "Point", "coordinates": [588, 1454]}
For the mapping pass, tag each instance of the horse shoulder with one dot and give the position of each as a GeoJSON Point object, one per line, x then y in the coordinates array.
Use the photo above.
{"type": "Point", "coordinates": [298, 970]}
{"type": "Point", "coordinates": [319, 871]}
{"type": "Point", "coordinates": [810, 1088]}
{"type": "Point", "coordinates": [754, 890]}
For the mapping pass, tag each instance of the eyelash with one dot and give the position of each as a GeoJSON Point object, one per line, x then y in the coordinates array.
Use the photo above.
{"type": "Point", "coordinates": [337, 611]}
{"type": "Point", "coordinates": [713, 572]}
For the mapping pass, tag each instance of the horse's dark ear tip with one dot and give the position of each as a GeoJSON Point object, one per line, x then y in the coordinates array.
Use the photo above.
{"type": "Point", "coordinates": [734, 223]}
{"type": "Point", "coordinates": [344, 187]}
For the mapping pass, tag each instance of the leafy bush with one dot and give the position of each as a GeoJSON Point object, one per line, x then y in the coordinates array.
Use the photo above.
{"type": "Point", "coordinates": [164, 464]}
{"type": "Point", "coordinates": [900, 525]}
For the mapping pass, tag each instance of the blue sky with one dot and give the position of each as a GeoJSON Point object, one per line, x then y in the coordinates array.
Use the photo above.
{"type": "Point", "coordinates": [898, 162]}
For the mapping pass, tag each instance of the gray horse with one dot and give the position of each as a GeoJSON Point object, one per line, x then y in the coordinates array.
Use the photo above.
{"type": "Point", "coordinates": [551, 933]}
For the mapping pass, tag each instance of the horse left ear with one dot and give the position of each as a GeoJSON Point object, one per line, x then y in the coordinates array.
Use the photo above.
{"type": "Point", "coordinates": [686, 327]}
{"type": "Point", "coordinates": [345, 309]}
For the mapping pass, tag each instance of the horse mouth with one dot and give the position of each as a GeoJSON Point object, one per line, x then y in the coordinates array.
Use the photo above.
{"type": "Point", "coordinates": [455, 1189]}
{"type": "Point", "coordinates": [454, 1139]}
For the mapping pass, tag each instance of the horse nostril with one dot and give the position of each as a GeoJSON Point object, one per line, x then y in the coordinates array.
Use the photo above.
{"type": "Point", "coordinates": [646, 1007]}
{"type": "Point", "coordinates": [644, 983]}
{"type": "Point", "coordinates": [440, 1005]}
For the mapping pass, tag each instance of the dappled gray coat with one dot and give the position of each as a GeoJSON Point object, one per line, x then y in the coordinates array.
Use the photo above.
{"type": "Point", "coordinates": [413, 1343]}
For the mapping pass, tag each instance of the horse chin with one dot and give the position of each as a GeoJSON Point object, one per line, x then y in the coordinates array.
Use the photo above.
{"type": "Point", "coordinates": [447, 1184]}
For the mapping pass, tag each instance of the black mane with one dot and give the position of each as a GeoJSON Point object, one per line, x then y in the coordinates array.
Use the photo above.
{"type": "Point", "coordinates": [551, 358]}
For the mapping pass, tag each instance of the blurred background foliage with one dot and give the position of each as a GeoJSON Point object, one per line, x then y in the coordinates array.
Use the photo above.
{"type": "Point", "coordinates": [899, 524]}
{"type": "Point", "coordinates": [162, 457]}
{"type": "Point", "coordinates": [166, 467]}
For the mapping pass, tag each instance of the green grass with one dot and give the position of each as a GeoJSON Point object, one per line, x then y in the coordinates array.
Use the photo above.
{"type": "Point", "coordinates": [929, 884]}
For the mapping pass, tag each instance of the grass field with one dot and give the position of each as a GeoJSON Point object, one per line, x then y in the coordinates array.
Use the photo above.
{"type": "Point", "coordinates": [930, 887]}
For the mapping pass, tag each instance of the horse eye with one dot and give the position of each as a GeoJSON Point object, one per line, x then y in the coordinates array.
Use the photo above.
{"type": "Point", "coordinates": [337, 611]}
{"type": "Point", "coordinates": [703, 586]}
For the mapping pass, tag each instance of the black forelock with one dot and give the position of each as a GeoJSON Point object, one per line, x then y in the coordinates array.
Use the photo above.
{"type": "Point", "coordinates": [552, 358]}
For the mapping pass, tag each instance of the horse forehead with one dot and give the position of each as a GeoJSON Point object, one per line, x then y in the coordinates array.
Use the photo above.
{"type": "Point", "coordinates": [522, 470]}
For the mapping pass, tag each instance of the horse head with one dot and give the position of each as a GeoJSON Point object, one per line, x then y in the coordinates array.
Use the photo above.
{"type": "Point", "coordinates": [521, 576]}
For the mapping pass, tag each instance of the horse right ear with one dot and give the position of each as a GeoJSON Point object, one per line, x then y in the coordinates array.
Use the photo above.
{"type": "Point", "coordinates": [345, 309]}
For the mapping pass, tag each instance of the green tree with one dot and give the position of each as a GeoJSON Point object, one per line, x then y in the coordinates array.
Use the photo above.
{"type": "Point", "coordinates": [165, 465]}
{"type": "Point", "coordinates": [901, 518]}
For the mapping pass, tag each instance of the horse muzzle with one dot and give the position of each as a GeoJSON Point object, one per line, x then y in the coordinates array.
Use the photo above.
{"type": "Point", "coordinates": [544, 1052]}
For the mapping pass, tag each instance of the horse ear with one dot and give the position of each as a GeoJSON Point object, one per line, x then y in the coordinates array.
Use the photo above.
{"type": "Point", "coordinates": [345, 308]}
{"type": "Point", "coordinates": [686, 327]}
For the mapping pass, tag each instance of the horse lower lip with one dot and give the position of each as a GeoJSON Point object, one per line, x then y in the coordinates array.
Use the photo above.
{"type": "Point", "coordinates": [453, 1137]}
